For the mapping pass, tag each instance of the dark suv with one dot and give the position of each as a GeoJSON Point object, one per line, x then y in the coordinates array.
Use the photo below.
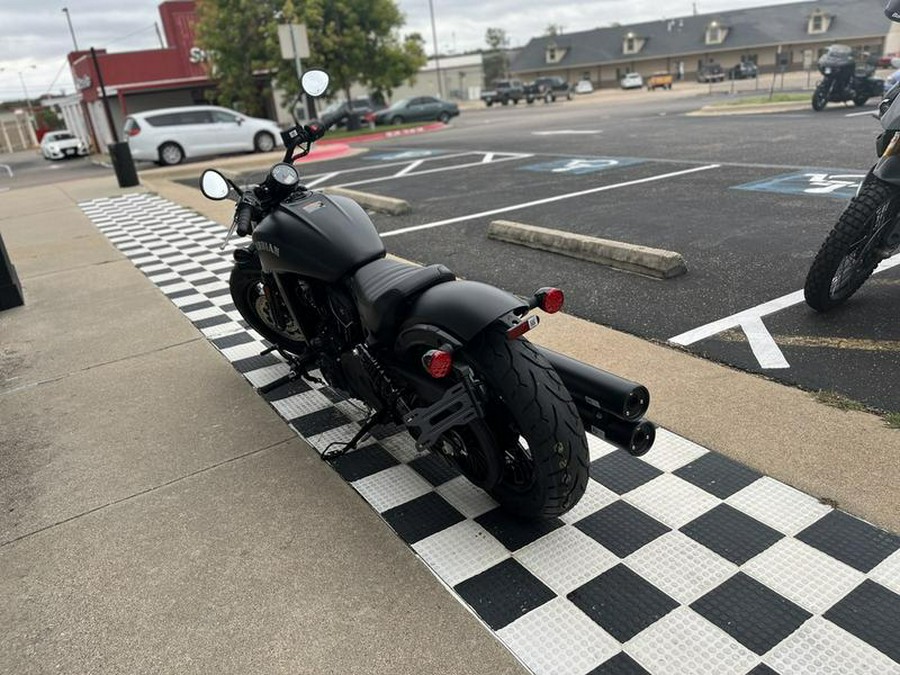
{"type": "Point", "coordinates": [742, 71]}
{"type": "Point", "coordinates": [363, 108]}
{"type": "Point", "coordinates": [710, 72]}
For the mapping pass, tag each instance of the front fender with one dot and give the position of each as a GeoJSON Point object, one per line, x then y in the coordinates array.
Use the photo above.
{"type": "Point", "coordinates": [888, 169]}
{"type": "Point", "coordinates": [461, 309]}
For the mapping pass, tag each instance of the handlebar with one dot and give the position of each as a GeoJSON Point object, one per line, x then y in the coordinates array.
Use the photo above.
{"type": "Point", "coordinates": [304, 135]}
{"type": "Point", "coordinates": [242, 218]}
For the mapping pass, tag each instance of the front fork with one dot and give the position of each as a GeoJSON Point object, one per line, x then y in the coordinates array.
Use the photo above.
{"type": "Point", "coordinates": [888, 170]}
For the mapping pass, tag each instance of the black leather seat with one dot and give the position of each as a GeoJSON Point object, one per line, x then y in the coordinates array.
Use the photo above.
{"type": "Point", "coordinates": [383, 287]}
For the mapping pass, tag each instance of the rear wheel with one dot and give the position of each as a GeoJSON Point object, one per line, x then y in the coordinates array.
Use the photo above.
{"type": "Point", "coordinates": [250, 299]}
{"type": "Point", "coordinates": [264, 142]}
{"type": "Point", "coordinates": [396, 119]}
{"type": "Point", "coordinates": [444, 117]}
{"type": "Point", "coordinates": [860, 100]}
{"type": "Point", "coordinates": [170, 153]}
{"type": "Point", "coordinates": [534, 427]}
{"type": "Point", "coordinates": [849, 255]}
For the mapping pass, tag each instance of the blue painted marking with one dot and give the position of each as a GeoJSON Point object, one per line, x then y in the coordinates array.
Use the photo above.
{"type": "Point", "coordinates": [582, 165]}
{"type": "Point", "coordinates": [400, 155]}
{"type": "Point", "coordinates": [834, 183]}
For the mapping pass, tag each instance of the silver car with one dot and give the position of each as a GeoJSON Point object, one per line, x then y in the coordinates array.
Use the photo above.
{"type": "Point", "coordinates": [62, 144]}
{"type": "Point", "coordinates": [169, 135]}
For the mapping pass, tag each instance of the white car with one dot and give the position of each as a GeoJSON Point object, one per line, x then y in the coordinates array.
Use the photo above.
{"type": "Point", "coordinates": [169, 135]}
{"type": "Point", "coordinates": [62, 144]}
{"type": "Point", "coordinates": [632, 81]}
{"type": "Point", "coordinates": [584, 87]}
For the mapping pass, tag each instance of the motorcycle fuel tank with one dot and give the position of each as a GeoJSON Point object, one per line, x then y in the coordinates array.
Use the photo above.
{"type": "Point", "coordinates": [320, 236]}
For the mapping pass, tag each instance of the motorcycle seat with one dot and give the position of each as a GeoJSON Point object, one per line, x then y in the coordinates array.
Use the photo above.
{"type": "Point", "coordinates": [383, 287]}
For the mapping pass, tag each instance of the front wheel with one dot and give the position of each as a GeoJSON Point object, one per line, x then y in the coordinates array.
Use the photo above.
{"type": "Point", "coordinates": [860, 100]}
{"type": "Point", "coordinates": [850, 253]}
{"type": "Point", "coordinates": [396, 119]}
{"type": "Point", "coordinates": [819, 99]}
{"type": "Point", "coordinates": [444, 117]}
{"type": "Point", "coordinates": [251, 301]}
{"type": "Point", "coordinates": [535, 427]}
{"type": "Point", "coordinates": [170, 154]}
{"type": "Point", "coordinates": [264, 142]}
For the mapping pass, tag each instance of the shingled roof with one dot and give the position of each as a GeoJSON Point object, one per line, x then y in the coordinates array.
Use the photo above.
{"type": "Point", "coordinates": [747, 29]}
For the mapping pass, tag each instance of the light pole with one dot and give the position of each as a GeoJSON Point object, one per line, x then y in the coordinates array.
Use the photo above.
{"type": "Point", "coordinates": [32, 122]}
{"type": "Point", "coordinates": [71, 30]}
{"type": "Point", "coordinates": [437, 59]}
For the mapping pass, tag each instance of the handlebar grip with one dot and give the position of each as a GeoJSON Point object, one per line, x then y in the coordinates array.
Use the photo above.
{"type": "Point", "coordinates": [242, 218]}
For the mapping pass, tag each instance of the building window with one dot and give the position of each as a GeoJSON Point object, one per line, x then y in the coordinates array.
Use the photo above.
{"type": "Point", "coordinates": [554, 53]}
{"type": "Point", "coordinates": [632, 44]}
{"type": "Point", "coordinates": [716, 33]}
{"type": "Point", "coordinates": [819, 22]}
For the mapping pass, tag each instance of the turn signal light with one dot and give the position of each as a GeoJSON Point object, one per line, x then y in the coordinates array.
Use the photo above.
{"type": "Point", "coordinates": [550, 300]}
{"type": "Point", "coordinates": [438, 363]}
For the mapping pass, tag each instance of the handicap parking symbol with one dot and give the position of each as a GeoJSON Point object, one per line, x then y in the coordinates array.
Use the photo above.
{"type": "Point", "coordinates": [582, 165]}
{"type": "Point", "coordinates": [815, 183]}
{"type": "Point", "coordinates": [403, 154]}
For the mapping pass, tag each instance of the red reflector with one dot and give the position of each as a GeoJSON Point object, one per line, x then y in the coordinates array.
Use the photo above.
{"type": "Point", "coordinates": [438, 363]}
{"type": "Point", "coordinates": [552, 301]}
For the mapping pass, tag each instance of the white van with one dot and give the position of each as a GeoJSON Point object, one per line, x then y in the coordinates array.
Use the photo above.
{"type": "Point", "coordinates": [168, 135]}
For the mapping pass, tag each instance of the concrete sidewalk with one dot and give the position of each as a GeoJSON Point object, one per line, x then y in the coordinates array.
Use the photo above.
{"type": "Point", "coordinates": [157, 515]}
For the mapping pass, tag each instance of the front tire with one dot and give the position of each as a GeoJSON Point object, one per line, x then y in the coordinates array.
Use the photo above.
{"type": "Point", "coordinates": [848, 257]}
{"type": "Point", "coordinates": [396, 119]}
{"type": "Point", "coordinates": [819, 99]}
{"type": "Point", "coordinates": [546, 475]}
{"type": "Point", "coordinates": [249, 298]}
{"type": "Point", "coordinates": [860, 100]}
{"type": "Point", "coordinates": [444, 117]}
{"type": "Point", "coordinates": [170, 153]}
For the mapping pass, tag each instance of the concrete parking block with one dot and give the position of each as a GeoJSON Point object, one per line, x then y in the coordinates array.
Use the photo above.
{"type": "Point", "coordinates": [266, 564]}
{"type": "Point", "coordinates": [389, 205]}
{"type": "Point", "coordinates": [108, 432]}
{"type": "Point", "coordinates": [621, 255]}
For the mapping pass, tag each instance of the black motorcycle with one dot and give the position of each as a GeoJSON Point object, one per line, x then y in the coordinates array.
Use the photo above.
{"type": "Point", "coordinates": [868, 230]}
{"type": "Point", "coordinates": [442, 357]}
{"type": "Point", "coordinates": [844, 79]}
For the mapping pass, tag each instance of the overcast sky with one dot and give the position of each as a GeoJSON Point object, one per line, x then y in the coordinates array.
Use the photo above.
{"type": "Point", "coordinates": [34, 32]}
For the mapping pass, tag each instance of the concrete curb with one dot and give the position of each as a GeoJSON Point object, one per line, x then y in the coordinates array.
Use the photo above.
{"type": "Point", "coordinates": [389, 205]}
{"type": "Point", "coordinates": [762, 109]}
{"type": "Point", "coordinates": [630, 257]}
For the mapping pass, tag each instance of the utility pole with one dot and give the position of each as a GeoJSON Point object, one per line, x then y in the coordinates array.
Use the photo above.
{"type": "Point", "coordinates": [437, 58]}
{"type": "Point", "coordinates": [71, 30]}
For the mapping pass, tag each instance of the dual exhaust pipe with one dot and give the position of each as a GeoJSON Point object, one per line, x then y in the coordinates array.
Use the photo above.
{"type": "Point", "coordinates": [607, 403]}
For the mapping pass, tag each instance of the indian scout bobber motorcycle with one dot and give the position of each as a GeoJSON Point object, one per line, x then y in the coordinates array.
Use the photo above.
{"type": "Point", "coordinates": [868, 231]}
{"type": "Point", "coordinates": [442, 357]}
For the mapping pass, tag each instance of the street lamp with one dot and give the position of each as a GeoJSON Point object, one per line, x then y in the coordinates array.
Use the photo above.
{"type": "Point", "coordinates": [71, 30]}
{"type": "Point", "coordinates": [437, 58]}
{"type": "Point", "coordinates": [25, 90]}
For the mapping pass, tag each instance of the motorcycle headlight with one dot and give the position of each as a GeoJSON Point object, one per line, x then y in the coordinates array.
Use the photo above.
{"type": "Point", "coordinates": [827, 71]}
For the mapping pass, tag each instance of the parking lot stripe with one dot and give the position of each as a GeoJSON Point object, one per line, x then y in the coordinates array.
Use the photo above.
{"type": "Point", "coordinates": [763, 345]}
{"type": "Point", "coordinates": [548, 200]}
{"type": "Point", "coordinates": [321, 179]}
{"type": "Point", "coordinates": [411, 167]}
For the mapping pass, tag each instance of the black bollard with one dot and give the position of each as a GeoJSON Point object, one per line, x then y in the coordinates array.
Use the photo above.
{"type": "Point", "coordinates": [10, 288]}
{"type": "Point", "coordinates": [123, 164]}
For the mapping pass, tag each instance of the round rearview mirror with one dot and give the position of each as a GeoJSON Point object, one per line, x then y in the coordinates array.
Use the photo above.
{"type": "Point", "coordinates": [213, 185]}
{"type": "Point", "coordinates": [314, 82]}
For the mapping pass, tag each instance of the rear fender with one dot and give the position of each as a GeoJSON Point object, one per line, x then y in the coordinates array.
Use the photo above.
{"type": "Point", "coordinates": [454, 313]}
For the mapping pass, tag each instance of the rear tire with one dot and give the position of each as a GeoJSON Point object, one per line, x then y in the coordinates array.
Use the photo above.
{"type": "Point", "coordinates": [396, 119]}
{"type": "Point", "coordinates": [170, 153]}
{"type": "Point", "coordinates": [532, 404]}
{"type": "Point", "coordinates": [264, 142]}
{"type": "Point", "coordinates": [860, 101]}
{"type": "Point", "coordinates": [444, 117]}
{"type": "Point", "coordinates": [845, 261]}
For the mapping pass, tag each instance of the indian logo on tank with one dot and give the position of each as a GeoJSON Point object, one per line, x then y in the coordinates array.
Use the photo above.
{"type": "Point", "coordinates": [268, 248]}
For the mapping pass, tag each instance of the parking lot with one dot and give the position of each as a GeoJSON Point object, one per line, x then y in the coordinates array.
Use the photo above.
{"type": "Point", "coordinates": [747, 200]}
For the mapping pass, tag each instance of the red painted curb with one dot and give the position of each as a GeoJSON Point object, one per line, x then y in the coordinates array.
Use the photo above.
{"type": "Point", "coordinates": [384, 135]}
{"type": "Point", "coordinates": [331, 150]}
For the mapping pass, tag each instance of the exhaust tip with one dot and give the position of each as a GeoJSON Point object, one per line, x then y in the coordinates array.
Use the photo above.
{"type": "Point", "coordinates": [642, 439]}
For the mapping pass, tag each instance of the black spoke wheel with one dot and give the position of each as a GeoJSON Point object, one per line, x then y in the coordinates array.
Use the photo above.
{"type": "Point", "coordinates": [850, 253]}
{"type": "Point", "coordinates": [249, 297]}
{"type": "Point", "coordinates": [536, 433]}
{"type": "Point", "coordinates": [819, 99]}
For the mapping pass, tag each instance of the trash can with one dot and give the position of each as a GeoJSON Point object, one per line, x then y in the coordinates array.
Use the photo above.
{"type": "Point", "coordinates": [123, 164]}
{"type": "Point", "coordinates": [353, 121]}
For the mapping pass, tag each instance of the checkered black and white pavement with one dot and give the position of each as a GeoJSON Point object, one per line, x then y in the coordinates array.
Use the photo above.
{"type": "Point", "coordinates": [679, 562]}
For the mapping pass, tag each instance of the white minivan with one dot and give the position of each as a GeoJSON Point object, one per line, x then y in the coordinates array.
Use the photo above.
{"type": "Point", "coordinates": [169, 135]}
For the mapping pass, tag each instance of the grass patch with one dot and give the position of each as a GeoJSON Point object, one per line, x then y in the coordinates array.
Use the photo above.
{"type": "Point", "coordinates": [835, 400]}
{"type": "Point", "coordinates": [779, 97]}
{"type": "Point", "coordinates": [892, 420]}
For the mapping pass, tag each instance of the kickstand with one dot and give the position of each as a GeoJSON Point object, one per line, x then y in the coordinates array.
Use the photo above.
{"type": "Point", "coordinates": [371, 423]}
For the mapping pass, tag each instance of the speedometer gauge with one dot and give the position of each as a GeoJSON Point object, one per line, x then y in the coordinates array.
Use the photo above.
{"type": "Point", "coordinates": [285, 174]}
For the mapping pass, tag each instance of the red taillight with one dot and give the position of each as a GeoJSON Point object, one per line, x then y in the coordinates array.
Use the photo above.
{"type": "Point", "coordinates": [438, 363]}
{"type": "Point", "coordinates": [133, 130]}
{"type": "Point", "coordinates": [551, 300]}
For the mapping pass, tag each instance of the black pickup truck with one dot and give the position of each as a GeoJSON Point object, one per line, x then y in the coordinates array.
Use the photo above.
{"type": "Point", "coordinates": [549, 89]}
{"type": "Point", "coordinates": [504, 92]}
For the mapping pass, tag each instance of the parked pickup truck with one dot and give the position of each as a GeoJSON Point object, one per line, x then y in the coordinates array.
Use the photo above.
{"type": "Point", "coordinates": [503, 92]}
{"type": "Point", "coordinates": [549, 89]}
{"type": "Point", "coordinates": [710, 72]}
{"type": "Point", "coordinates": [659, 81]}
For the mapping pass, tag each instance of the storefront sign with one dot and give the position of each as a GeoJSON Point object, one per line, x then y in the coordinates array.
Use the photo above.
{"type": "Point", "coordinates": [83, 82]}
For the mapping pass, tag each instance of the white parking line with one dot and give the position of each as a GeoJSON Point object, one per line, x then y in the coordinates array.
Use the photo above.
{"type": "Point", "coordinates": [320, 179]}
{"type": "Point", "coordinates": [764, 347]}
{"type": "Point", "coordinates": [864, 112]}
{"type": "Point", "coordinates": [567, 132]}
{"type": "Point", "coordinates": [548, 200]}
{"type": "Point", "coordinates": [412, 167]}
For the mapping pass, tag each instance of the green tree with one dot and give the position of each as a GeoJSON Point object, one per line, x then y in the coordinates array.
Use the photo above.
{"type": "Point", "coordinates": [495, 62]}
{"type": "Point", "coordinates": [356, 41]}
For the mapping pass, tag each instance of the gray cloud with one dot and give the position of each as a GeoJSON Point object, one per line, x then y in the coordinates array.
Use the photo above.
{"type": "Point", "coordinates": [34, 32]}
